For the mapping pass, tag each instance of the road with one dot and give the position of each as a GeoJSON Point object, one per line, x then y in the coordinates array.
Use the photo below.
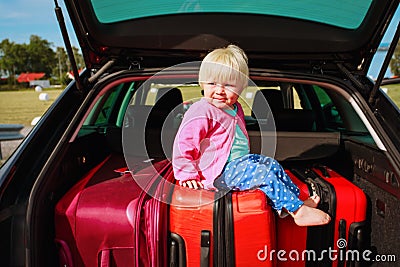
{"type": "Point", "coordinates": [8, 147]}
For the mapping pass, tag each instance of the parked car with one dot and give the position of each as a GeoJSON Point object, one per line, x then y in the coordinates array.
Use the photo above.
{"type": "Point", "coordinates": [89, 185]}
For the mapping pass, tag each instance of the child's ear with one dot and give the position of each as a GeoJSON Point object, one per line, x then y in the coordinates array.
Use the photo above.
{"type": "Point", "coordinates": [202, 88]}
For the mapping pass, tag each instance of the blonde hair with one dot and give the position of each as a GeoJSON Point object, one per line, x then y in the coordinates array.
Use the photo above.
{"type": "Point", "coordinates": [225, 65]}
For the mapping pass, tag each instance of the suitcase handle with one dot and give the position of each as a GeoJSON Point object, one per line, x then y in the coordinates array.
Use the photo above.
{"type": "Point", "coordinates": [177, 251]}
{"type": "Point", "coordinates": [205, 249]}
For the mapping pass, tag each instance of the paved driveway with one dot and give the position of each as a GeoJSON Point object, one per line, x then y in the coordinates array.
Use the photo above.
{"type": "Point", "coordinates": [8, 147]}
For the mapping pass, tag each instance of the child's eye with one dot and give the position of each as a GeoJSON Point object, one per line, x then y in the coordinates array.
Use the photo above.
{"type": "Point", "coordinates": [230, 87]}
{"type": "Point", "coordinates": [212, 83]}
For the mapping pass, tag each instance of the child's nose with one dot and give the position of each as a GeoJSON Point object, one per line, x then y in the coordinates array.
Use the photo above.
{"type": "Point", "coordinates": [220, 88]}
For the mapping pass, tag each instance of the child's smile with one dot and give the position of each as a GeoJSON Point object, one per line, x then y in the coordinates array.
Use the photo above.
{"type": "Point", "coordinates": [221, 95]}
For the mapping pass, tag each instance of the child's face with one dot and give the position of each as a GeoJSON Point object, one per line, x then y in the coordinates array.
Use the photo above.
{"type": "Point", "coordinates": [221, 95]}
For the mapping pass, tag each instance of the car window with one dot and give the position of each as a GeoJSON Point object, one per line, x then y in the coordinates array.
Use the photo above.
{"type": "Point", "coordinates": [246, 99]}
{"type": "Point", "coordinates": [105, 110]}
{"type": "Point", "coordinates": [331, 115]}
{"type": "Point", "coordinates": [345, 14]}
{"type": "Point", "coordinates": [101, 112]}
{"type": "Point", "coordinates": [299, 107]}
{"type": "Point", "coordinates": [310, 108]}
{"type": "Point", "coordinates": [190, 92]}
{"type": "Point", "coordinates": [298, 98]}
{"type": "Point", "coordinates": [109, 109]}
{"type": "Point", "coordinates": [393, 71]}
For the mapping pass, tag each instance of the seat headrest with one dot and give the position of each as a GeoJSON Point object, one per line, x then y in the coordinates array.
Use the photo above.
{"type": "Point", "coordinates": [168, 104]}
{"type": "Point", "coordinates": [151, 129]}
{"type": "Point", "coordinates": [272, 96]}
{"type": "Point", "coordinates": [285, 119]}
{"type": "Point", "coordinates": [168, 98]}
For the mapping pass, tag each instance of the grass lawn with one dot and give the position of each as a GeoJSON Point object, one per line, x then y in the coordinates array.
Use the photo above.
{"type": "Point", "coordinates": [394, 92]}
{"type": "Point", "coordinates": [21, 107]}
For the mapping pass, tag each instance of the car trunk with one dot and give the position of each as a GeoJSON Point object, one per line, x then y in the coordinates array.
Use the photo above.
{"type": "Point", "coordinates": [82, 166]}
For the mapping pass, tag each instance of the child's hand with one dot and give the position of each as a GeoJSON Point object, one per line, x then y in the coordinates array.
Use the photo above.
{"type": "Point", "coordinates": [193, 184]}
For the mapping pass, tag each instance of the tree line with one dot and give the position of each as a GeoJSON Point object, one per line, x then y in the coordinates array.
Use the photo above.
{"type": "Point", "coordinates": [36, 56]}
{"type": "Point", "coordinates": [395, 61]}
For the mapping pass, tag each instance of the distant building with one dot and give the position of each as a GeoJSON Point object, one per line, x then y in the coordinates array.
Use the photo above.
{"type": "Point", "coordinates": [27, 77]}
{"type": "Point", "coordinates": [41, 83]}
{"type": "Point", "coordinates": [4, 75]}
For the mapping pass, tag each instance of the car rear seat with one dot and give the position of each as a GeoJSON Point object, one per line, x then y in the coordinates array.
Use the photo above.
{"type": "Point", "coordinates": [163, 122]}
{"type": "Point", "coordinates": [145, 126]}
{"type": "Point", "coordinates": [285, 119]}
{"type": "Point", "coordinates": [295, 136]}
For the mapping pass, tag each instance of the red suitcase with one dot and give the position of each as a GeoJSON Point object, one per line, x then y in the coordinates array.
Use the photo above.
{"type": "Point", "coordinates": [211, 229]}
{"type": "Point", "coordinates": [325, 245]}
{"type": "Point", "coordinates": [350, 216]}
{"type": "Point", "coordinates": [290, 237]}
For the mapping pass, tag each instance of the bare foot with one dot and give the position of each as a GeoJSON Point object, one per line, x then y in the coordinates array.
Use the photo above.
{"type": "Point", "coordinates": [308, 216]}
{"type": "Point", "coordinates": [312, 201]}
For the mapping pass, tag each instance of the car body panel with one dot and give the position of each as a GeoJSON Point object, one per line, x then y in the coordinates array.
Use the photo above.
{"type": "Point", "coordinates": [82, 128]}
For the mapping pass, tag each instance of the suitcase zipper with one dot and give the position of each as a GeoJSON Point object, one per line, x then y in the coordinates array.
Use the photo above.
{"type": "Point", "coordinates": [229, 231]}
{"type": "Point", "coordinates": [218, 230]}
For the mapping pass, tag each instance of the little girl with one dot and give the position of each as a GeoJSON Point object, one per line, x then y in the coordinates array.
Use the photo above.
{"type": "Point", "coordinates": [211, 148]}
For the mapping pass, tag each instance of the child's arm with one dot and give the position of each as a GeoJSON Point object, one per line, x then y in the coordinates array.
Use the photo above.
{"type": "Point", "coordinates": [187, 148]}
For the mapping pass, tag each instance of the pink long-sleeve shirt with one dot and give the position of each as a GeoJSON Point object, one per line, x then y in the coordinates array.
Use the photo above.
{"type": "Point", "coordinates": [203, 142]}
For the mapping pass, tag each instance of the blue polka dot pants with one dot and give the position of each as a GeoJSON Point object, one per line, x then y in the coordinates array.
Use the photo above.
{"type": "Point", "coordinates": [257, 171]}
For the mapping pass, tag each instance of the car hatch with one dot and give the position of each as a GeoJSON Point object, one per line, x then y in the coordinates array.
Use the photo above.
{"type": "Point", "coordinates": [327, 32]}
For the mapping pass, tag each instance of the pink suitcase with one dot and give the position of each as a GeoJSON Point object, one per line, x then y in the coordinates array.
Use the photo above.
{"type": "Point", "coordinates": [106, 219]}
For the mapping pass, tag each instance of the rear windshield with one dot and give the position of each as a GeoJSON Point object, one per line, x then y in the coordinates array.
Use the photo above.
{"type": "Point", "coordinates": [347, 14]}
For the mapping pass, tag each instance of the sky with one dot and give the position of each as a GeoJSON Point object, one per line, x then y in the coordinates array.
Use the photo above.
{"type": "Point", "coordinates": [19, 19]}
